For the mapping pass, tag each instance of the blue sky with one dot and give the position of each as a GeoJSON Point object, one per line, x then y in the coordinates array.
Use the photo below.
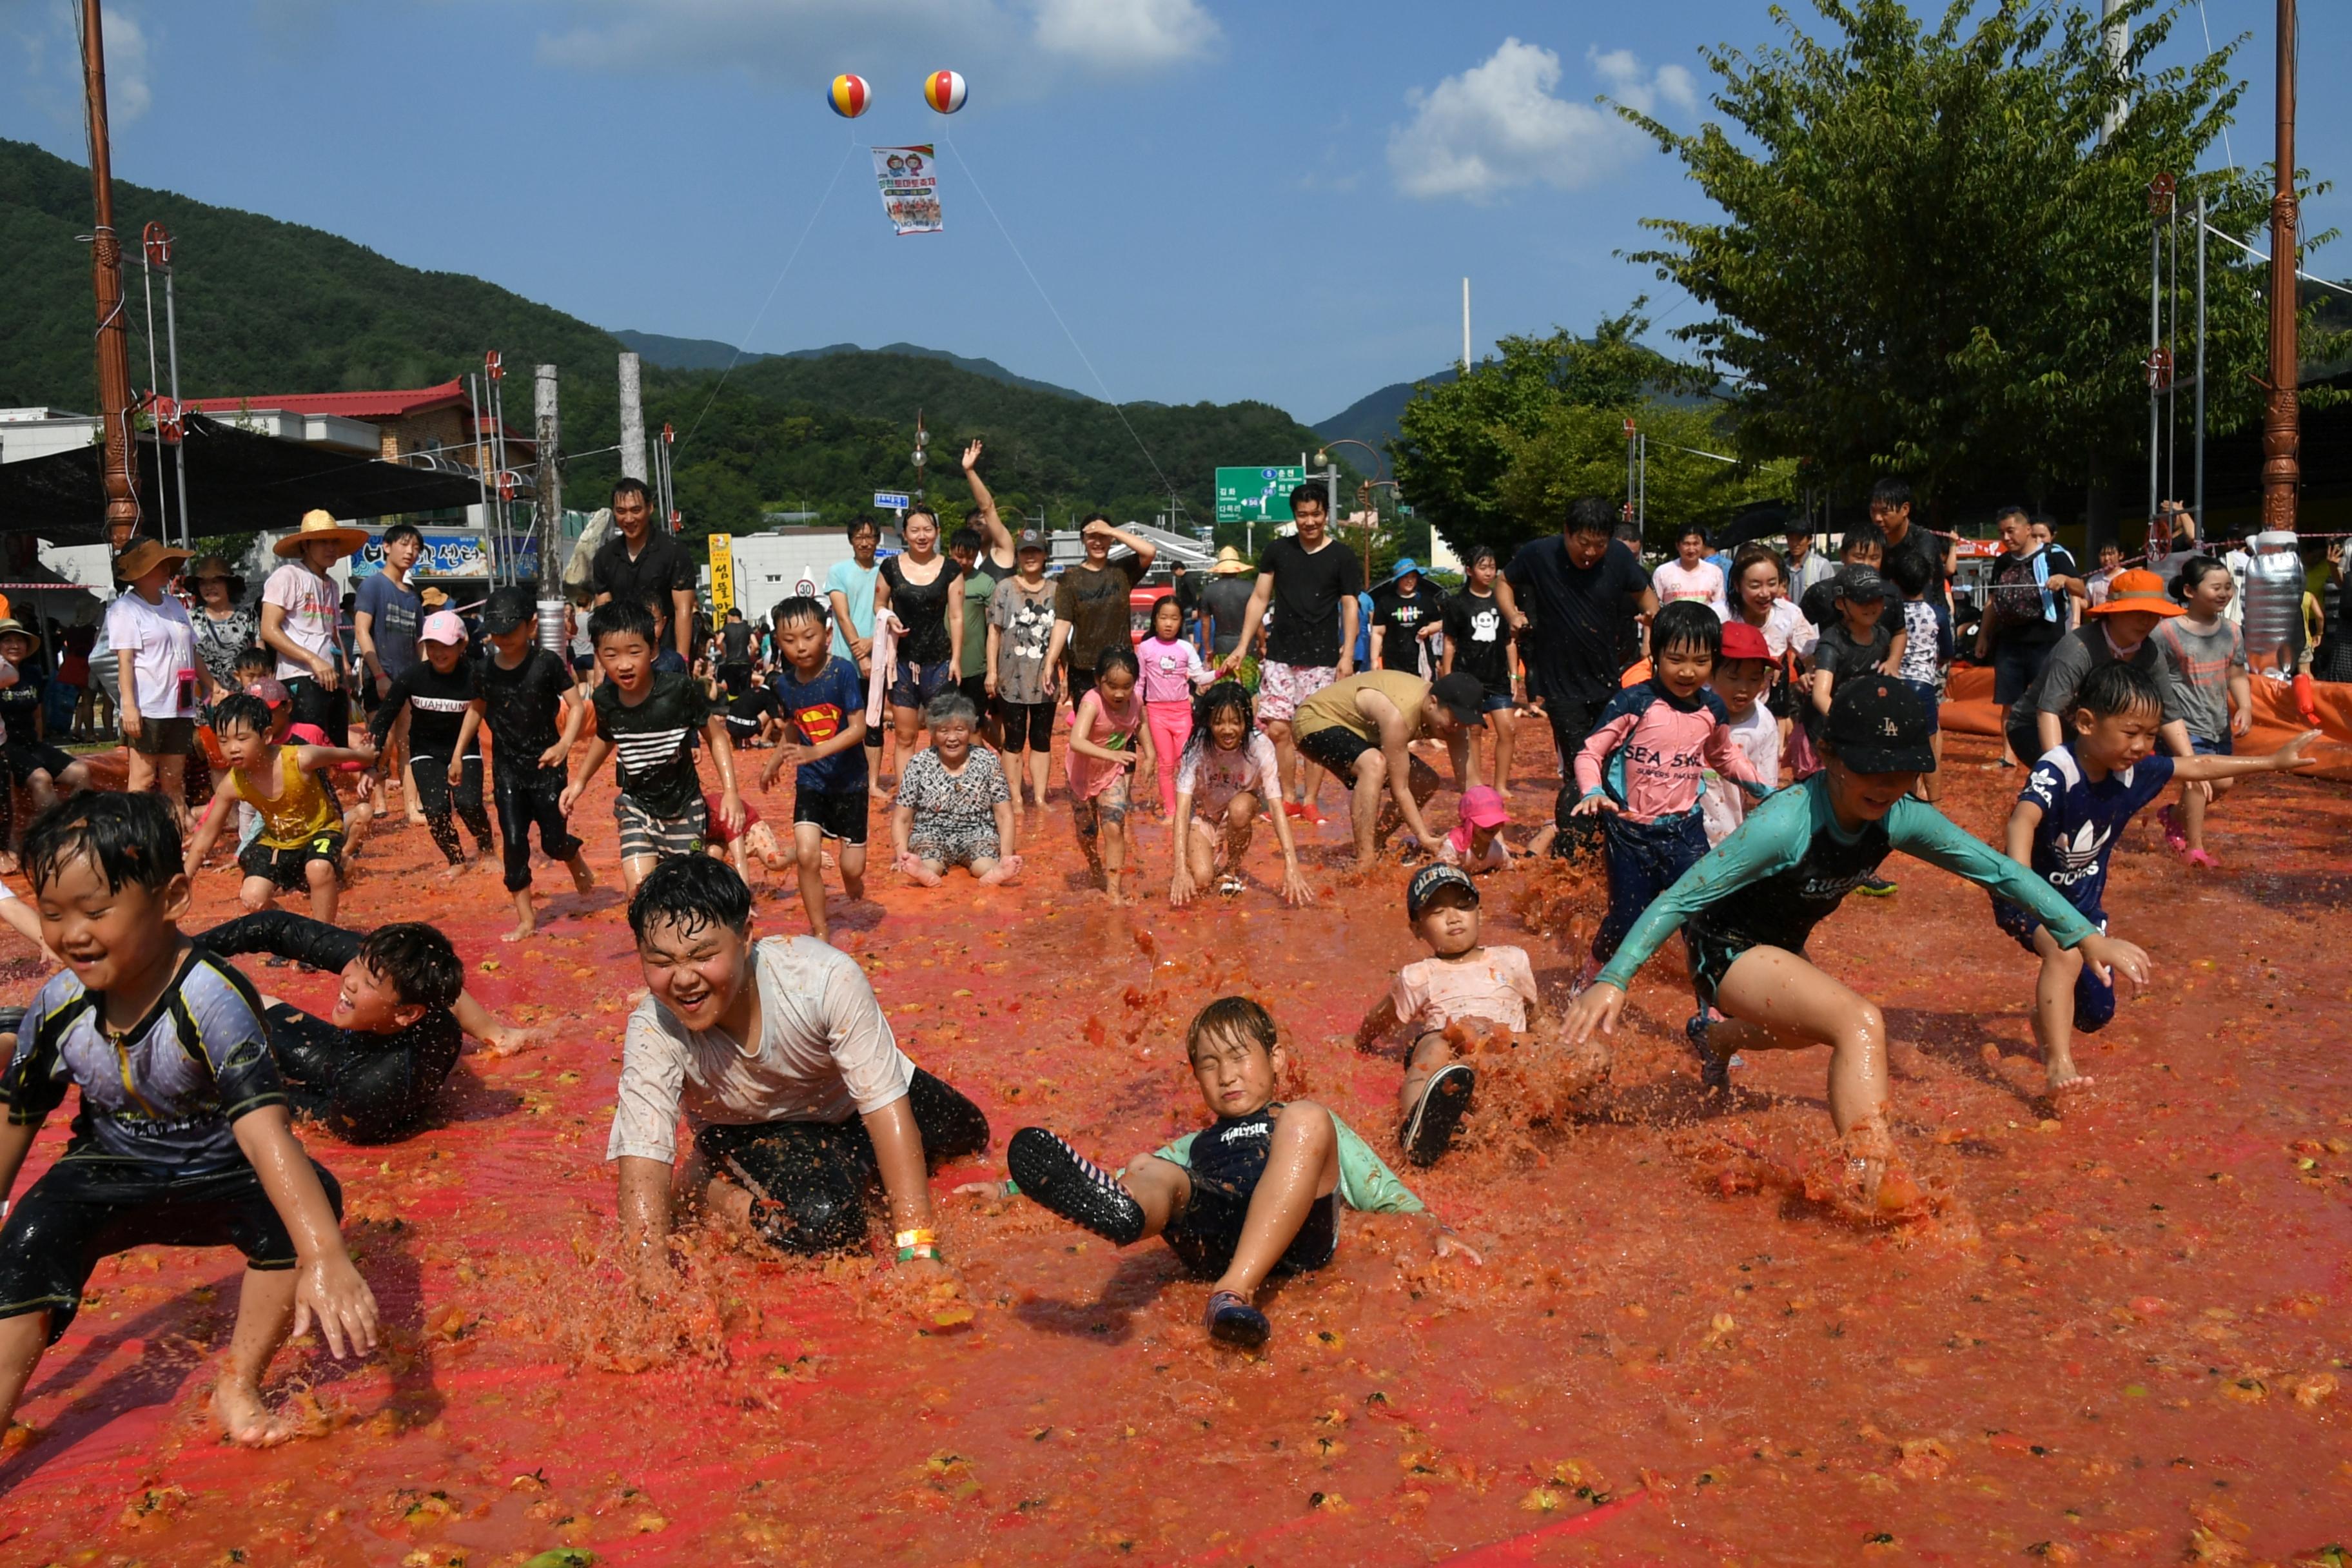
{"type": "Point", "coordinates": [1220, 201]}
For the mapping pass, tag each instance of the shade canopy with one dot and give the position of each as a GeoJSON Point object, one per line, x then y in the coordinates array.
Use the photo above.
{"type": "Point", "coordinates": [238, 482]}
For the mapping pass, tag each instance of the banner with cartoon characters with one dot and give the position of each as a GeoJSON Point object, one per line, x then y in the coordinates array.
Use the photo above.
{"type": "Point", "coordinates": [910, 188]}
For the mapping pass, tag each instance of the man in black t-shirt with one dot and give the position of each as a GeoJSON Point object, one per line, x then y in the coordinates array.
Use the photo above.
{"type": "Point", "coordinates": [1402, 608]}
{"type": "Point", "coordinates": [2025, 607]}
{"type": "Point", "coordinates": [1225, 599]}
{"type": "Point", "coordinates": [1311, 580]}
{"type": "Point", "coordinates": [534, 714]}
{"type": "Point", "coordinates": [1890, 508]}
{"type": "Point", "coordinates": [1090, 603]}
{"type": "Point", "coordinates": [735, 653]}
{"type": "Point", "coordinates": [1575, 597]}
{"type": "Point", "coordinates": [646, 565]}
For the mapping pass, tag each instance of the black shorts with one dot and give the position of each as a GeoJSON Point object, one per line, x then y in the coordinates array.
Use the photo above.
{"type": "Point", "coordinates": [1206, 1235]}
{"type": "Point", "coordinates": [1335, 747]}
{"type": "Point", "coordinates": [837, 813]}
{"type": "Point", "coordinates": [22, 759]}
{"type": "Point", "coordinates": [165, 737]}
{"type": "Point", "coordinates": [288, 869]}
{"type": "Point", "coordinates": [1028, 726]}
{"type": "Point", "coordinates": [87, 1208]}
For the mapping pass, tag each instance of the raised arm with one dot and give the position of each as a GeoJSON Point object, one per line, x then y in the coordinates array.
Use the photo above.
{"type": "Point", "coordinates": [1000, 538]}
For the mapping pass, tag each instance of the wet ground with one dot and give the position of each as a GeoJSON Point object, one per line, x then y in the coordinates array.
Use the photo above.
{"type": "Point", "coordinates": [2120, 1338]}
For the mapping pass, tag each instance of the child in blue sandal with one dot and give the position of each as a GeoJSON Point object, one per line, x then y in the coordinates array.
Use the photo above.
{"type": "Point", "coordinates": [1255, 1193]}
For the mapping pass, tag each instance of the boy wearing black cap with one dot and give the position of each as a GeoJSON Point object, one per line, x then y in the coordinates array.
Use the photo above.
{"type": "Point", "coordinates": [1360, 728]}
{"type": "Point", "coordinates": [525, 691]}
{"type": "Point", "coordinates": [1460, 981]}
{"type": "Point", "coordinates": [1747, 906]}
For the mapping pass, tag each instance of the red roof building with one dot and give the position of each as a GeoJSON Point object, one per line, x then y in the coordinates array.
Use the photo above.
{"type": "Point", "coordinates": [416, 419]}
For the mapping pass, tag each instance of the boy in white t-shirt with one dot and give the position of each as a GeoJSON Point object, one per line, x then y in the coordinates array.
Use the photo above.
{"type": "Point", "coordinates": [1743, 673]}
{"type": "Point", "coordinates": [1460, 981]}
{"type": "Point", "coordinates": [1691, 575]}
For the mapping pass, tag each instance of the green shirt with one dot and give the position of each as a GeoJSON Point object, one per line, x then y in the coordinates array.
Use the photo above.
{"type": "Point", "coordinates": [1365, 1184]}
{"type": "Point", "coordinates": [978, 588]}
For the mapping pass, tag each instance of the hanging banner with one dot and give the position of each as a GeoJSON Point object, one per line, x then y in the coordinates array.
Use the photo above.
{"type": "Point", "coordinates": [722, 574]}
{"type": "Point", "coordinates": [910, 188]}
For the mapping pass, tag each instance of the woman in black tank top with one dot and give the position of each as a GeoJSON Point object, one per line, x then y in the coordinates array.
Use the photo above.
{"type": "Point", "coordinates": [931, 609]}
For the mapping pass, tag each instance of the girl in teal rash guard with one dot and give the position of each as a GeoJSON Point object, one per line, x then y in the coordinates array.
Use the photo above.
{"type": "Point", "coordinates": [1746, 908]}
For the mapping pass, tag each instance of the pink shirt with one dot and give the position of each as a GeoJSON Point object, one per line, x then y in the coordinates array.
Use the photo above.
{"type": "Point", "coordinates": [1496, 983]}
{"type": "Point", "coordinates": [1170, 670]}
{"type": "Point", "coordinates": [1113, 729]}
{"type": "Point", "coordinates": [1704, 581]}
{"type": "Point", "coordinates": [1657, 752]}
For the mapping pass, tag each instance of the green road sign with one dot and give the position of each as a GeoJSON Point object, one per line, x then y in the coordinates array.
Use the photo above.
{"type": "Point", "coordinates": [1261, 495]}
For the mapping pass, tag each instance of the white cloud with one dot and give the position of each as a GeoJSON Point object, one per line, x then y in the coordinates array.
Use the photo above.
{"type": "Point", "coordinates": [1127, 35]}
{"type": "Point", "coordinates": [1499, 125]}
{"type": "Point", "coordinates": [53, 62]}
{"type": "Point", "coordinates": [788, 40]}
{"type": "Point", "coordinates": [128, 94]}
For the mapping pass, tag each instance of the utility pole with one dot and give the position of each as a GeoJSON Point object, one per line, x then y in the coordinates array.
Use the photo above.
{"type": "Point", "coordinates": [106, 278]}
{"type": "Point", "coordinates": [2198, 510]}
{"type": "Point", "coordinates": [2118, 32]}
{"type": "Point", "coordinates": [545, 432]}
{"type": "Point", "coordinates": [2282, 434]}
{"type": "Point", "coordinates": [633, 420]}
{"type": "Point", "coordinates": [1465, 326]}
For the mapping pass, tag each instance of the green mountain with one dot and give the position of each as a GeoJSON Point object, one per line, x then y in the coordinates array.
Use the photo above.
{"type": "Point", "coordinates": [271, 306]}
{"type": "Point", "coordinates": [709, 353]}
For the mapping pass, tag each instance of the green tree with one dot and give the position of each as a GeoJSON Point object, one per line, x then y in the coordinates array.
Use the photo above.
{"type": "Point", "coordinates": [1576, 449]}
{"type": "Point", "coordinates": [1933, 260]}
{"type": "Point", "coordinates": [1454, 441]}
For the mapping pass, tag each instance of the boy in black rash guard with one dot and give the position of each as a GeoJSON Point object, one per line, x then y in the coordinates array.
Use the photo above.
{"type": "Point", "coordinates": [1255, 1193]}
{"type": "Point", "coordinates": [444, 757]}
{"type": "Point", "coordinates": [525, 690]}
{"type": "Point", "coordinates": [1747, 906]}
{"type": "Point", "coordinates": [371, 1069]}
{"type": "Point", "coordinates": [181, 1136]}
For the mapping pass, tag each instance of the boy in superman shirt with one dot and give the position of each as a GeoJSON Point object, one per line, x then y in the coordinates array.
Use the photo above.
{"type": "Point", "coordinates": [1643, 768]}
{"type": "Point", "coordinates": [822, 701]}
{"type": "Point", "coordinates": [2075, 803]}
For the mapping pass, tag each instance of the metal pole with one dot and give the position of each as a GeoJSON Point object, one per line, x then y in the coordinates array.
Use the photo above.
{"type": "Point", "coordinates": [154, 377]}
{"type": "Point", "coordinates": [481, 460]}
{"type": "Point", "coordinates": [2172, 343]}
{"type": "Point", "coordinates": [112, 337]}
{"type": "Point", "coordinates": [2281, 420]}
{"type": "Point", "coordinates": [1331, 492]}
{"type": "Point", "coordinates": [2154, 346]}
{"type": "Point", "coordinates": [2199, 481]}
{"type": "Point", "coordinates": [1465, 326]}
{"type": "Point", "coordinates": [633, 420]}
{"type": "Point", "coordinates": [179, 447]}
{"type": "Point", "coordinates": [546, 430]}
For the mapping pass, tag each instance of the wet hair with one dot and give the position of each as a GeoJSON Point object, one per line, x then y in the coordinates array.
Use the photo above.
{"type": "Point", "coordinates": [1160, 604]}
{"type": "Point", "coordinates": [241, 709]}
{"type": "Point", "coordinates": [130, 838]}
{"type": "Point", "coordinates": [2005, 513]}
{"type": "Point", "coordinates": [689, 892]}
{"type": "Point", "coordinates": [949, 706]}
{"type": "Point", "coordinates": [798, 607]}
{"type": "Point", "coordinates": [1301, 494]}
{"type": "Point", "coordinates": [629, 485]}
{"type": "Point", "coordinates": [733, 613]}
{"type": "Point", "coordinates": [400, 531]}
{"type": "Point", "coordinates": [1231, 1019]}
{"type": "Point", "coordinates": [255, 656]}
{"type": "Point", "coordinates": [1748, 556]}
{"type": "Point", "coordinates": [1691, 531]}
{"type": "Point", "coordinates": [860, 524]}
{"type": "Point", "coordinates": [966, 538]}
{"type": "Point", "coordinates": [621, 617]}
{"type": "Point", "coordinates": [1224, 697]}
{"type": "Point", "coordinates": [1909, 571]}
{"type": "Point", "coordinates": [1590, 514]}
{"type": "Point", "coordinates": [2193, 571]}
{"type": "Point", "coordinates": [2115, 687]}
{"type": "Point", "coordinates": [1119, 656]}
{"type": "Point", "coordinates": [1475, 554]}
{"type": "Point", "coordinates": [920, 508]}
{"type": "Point", "coordinates": [1101, 517]}
{"type": "Point", "coordinates": [1891, 492]}
{"type": "Point", "coordinates": [417, 959]}
{"type": "Point", "coordinates": [1688, 623]}
{"type": "Point", "coordinates": [1862, 536]}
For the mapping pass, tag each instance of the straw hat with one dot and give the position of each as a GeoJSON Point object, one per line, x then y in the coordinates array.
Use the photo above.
{"type": "Point", "coordinates": [215, 566]}
{"type": "Point", "coordinates": [1229, 564]}
{"type": "Point", "coordinates": [11, 626]}
{"type": "Point", "coordinates": [431, 598]}
{"type": "Point", "coordinates": [144, 557]}
{"type": "Point", "coordinates": [322, 525]}
{"type": "Point", "coordinates": [2142, 591]}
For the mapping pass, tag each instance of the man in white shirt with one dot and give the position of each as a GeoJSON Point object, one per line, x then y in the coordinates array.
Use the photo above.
{"type": "Point", "coordinates": [302, 612]}
{"type": "Point", "coordinates": [791, 1083]}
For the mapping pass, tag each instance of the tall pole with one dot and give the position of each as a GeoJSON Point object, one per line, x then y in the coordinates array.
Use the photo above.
{"type": "Point", "coordinates": [1465, 326]}
{"type": "Point", "coordinates": [545, 430]}
{"type": "Point", "coordinates": [2117, 31]}
{"type": "Point", "coordinates": [633, 419]}
{"type": "Point", "coordinates": [2154, 355]}
{"type": "Point", "coordinates": [106, 279]}
{"type": "Point", "coordinates": [2281, 435]}
{"type": "Point", "coordinates": [2199, 483]}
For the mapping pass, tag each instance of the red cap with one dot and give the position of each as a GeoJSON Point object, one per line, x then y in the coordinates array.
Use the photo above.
{"type": "Point", "coordinates": [1741, 640]}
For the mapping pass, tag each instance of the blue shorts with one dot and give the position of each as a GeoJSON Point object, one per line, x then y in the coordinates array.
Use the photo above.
{"type": "Point", "coordinates": [2201, 747]}
{"type": "Point", "coordinates": [1495, 701]}
{"type": "Point", "coordinates": [914, 685]}
{"type": "Point", "coordinates": [1930, 696]}
{"type": "Point", "coordinates": [2095, 999]}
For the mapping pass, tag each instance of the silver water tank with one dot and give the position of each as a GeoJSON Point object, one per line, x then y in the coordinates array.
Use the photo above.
{"type": "Point", "coordinates": [551, 626]}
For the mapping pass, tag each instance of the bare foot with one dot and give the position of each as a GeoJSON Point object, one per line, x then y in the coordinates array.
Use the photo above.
{"type": "Point", "coordinates": [524, 931]}
{"type": "Point", "coordinates": [582, 877]}
{"type": "Point", "coordinates": [2063, 1079]}
{"type": "Point", "coordinates": [245, 1420]}
{"type": "Point", "coordinates": [451, 873]}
